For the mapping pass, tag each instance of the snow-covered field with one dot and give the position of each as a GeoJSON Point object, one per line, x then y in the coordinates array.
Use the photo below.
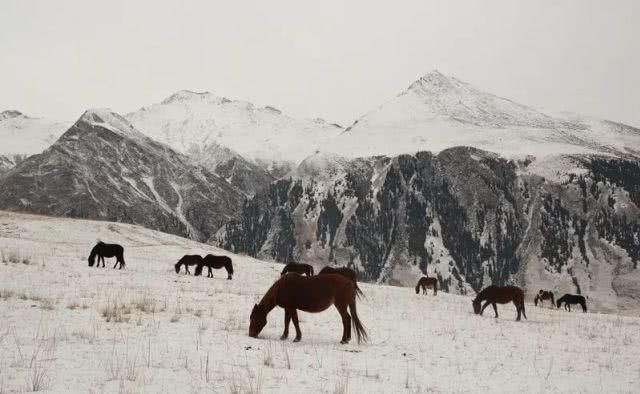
{"type": "Point", "coordinates": [65, 327]}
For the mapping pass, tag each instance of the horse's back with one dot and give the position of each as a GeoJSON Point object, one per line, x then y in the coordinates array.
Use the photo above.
{"type": "Point", "coordinates": [313, 293]}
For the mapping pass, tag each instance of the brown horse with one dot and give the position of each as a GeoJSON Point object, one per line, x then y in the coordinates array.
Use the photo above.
{"type": "Point", "coordinates": [344, 271]}
{"type": "Point", "coordinates": [544, 295]}
{"type": "Point", "coordinates": [298, 268]}
{"type": "Point", "coordinates": [210, 261]}
{"type": "Point", "coordinates": [425, 282]}
{"type": "Point", "coordinates": [311, 294]}
{"type": "Point", "coordinates": [501, 295]}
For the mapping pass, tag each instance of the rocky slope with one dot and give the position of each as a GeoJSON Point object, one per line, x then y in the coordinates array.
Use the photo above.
{"type": "Point", "coordinates": [467, 216]}
{"type": "Point", "coordinates": [103, 168]}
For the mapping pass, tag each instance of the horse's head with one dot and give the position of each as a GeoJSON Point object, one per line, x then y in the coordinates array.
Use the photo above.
{"type": "Point", "coordinates": [198, 270]}
{"type": "Point", "coordinates": [558, 303]}
{"type": "Point", "coordinates": [177, 267]}
{"type": "Point", "coordinates": [476, 306]}
{"type": "Point", "coordinates": [92, 260]}
{"type": "Point", "coordinates": [258, 320]}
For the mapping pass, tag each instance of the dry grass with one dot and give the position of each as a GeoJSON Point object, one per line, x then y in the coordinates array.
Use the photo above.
{"type": "Point", "coordinates": [116, 312]}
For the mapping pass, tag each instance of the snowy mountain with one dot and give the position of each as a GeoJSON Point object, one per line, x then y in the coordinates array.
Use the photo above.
{"type": "Point", "coordinates": [103, 168]}
{"type": "Point", "coordinates": [466, 216]}
{"type": "Point", "coordinates": [189, 122]}
{"type": "Point", "coordinates": [437, 112]}
{"type": "Point", "coordinates": [23, 135]}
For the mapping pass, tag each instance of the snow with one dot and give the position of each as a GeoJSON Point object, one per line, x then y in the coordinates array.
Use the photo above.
{"type": "Point", "coordinates": [189, 334]}
{"type": "Point", "coordinates": [438, 112]}
{"type": "Point", "coordinates": [189, 121]}
{"type": "Point", "coordinates": [24, 135]}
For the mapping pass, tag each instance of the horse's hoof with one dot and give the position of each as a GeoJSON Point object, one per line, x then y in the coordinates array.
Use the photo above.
{"type": "Point", "coordinates": [344, 342]}
{"type": "Point", "coordinates": [282, 338]}
{"type": "Point", "coordinates": [296, 340]}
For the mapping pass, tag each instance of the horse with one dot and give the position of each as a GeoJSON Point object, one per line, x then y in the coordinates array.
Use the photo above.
{"type": "Point", "coordinates": [570, 299]}
{"type": "Point", "coordinates": [103, 250]}
{"type": "Point", "coordinates": [298, 268]}
{"type": "Point", "coordinates": [187, 260]}
{"type": "Point", "coordinates": [500, 294]}
{"type": "Point", "coordinates": [311, 294]}
{"type": "Point", "coordinates": [210, 261]}
{"type": "Point", "coordinates": [344, 271]}
{"type": "Point", "coordinates": [425, 282]}
{"type": "Point", "coordinates": [544, 295]}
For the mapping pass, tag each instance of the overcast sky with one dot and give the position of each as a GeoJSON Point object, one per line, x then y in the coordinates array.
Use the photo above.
{"type": "Point", "coordinates": [330, 59]}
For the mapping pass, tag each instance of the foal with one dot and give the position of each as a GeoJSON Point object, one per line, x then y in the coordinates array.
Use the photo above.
{"type": "Point", "coordinates": [544, 295]}
{"type": "Point", "coordinates": [570, 299]}
{"type": "Point", "coordinates": [425, 282]}
{"type": "Point", "coordinates": [344, 271]}
{"type": "Point", "coordinates": [501, 295]}
{"type": "Point", "coordinates": [187, 260]}
{"type": "Point", "coordinates": [298, 268]}
{"type": "Point", "coordinates": [312, 294]}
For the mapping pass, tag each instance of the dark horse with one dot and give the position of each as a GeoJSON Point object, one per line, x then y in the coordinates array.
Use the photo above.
{"type": "Point", "coordinates": [311, 294]}
{"type": "Point", "coordinates": [500, 295]}
{"type": "Point", "coordinates": [544, 295]}
{"type": "Point", "coordinates": [210, 261]}
{"type": "Point", "coordinates": [298, 269]}
{"type": "Point", "coordinates": [425, 282]}
{"type": "Point", "coordinates": [187, 260]}
{"type": "Point", "coordinates": [570, 299]}
{"type": "Point", "coordinates": [103, 250]}
{"type": "Point", "coordinates": [344, 271]}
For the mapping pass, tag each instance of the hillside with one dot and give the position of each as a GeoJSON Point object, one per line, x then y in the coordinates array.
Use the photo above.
{"type": "Point", "coordinates": [466, 216]}
{"type": "Point", "coordinates": [66, 327]}
{"type": "Point", "coordinates": [103, 168]}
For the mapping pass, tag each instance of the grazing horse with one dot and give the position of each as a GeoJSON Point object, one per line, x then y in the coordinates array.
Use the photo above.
{"type": "Point", "coordinates": [210, 261]}
{"type": "Point", "coordinates": [311, 294]}
{"type": "Point", "coordinates": [544, 295]}
{"type": "Point", "coordinates": [344, 271]}
{"type": "Point", "coordinates": [298, 268]}
{"type": "Point", "coordinates": [570, 299]}
{"type": "Point", "coordinates": [425, 282]}
{"type": "Point", "coordinates": [187, 260]}
{"type": "Point", "coordinates": [501, 295]}
{"type": "Point", "coordinates": [103, 250]}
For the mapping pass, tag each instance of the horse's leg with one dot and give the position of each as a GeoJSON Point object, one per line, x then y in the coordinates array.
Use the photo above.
{"type": "Point", "coordinates": [117, 261]}
{"type": "Point", "coordinates": [186, 268]}
{"type": "Point", "coordinates": [346, 323]}
{"type": "Point", "coordinates": [210, 274]}
{"type": "Point", "coordinates": [294, 317]}
{"type": "Point", "coordinates": [495, 309]}
{"type": "Point", "coordinates": [287, 319]}
{"type": "Point", "coordinates": [486, 304]}
{"type": "Point", "coordinates": [568, 306]}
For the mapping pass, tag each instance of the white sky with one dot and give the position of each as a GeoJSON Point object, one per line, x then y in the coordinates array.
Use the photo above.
{"type": "Point", "coordinates": [332, 59]}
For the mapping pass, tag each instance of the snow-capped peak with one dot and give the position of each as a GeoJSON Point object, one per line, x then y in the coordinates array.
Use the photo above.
{"type": "Point", "coordinates": [108, 119]}
{"type": "Point", "coordinates": [184, 95]}
{"type": "Point", "coordinates": [433, 82]}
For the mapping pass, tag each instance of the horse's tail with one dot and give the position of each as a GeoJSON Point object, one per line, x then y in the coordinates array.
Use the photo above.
{"type": "Point", "coordinates": [435, 288]}
{"type": "Point", "coordinates": [523, 311]}
{"type": "Point", "coordinates": [418, 288]}
{"type": "Point", "coordinates": [359, 292]}
{"type": "Point", "coordinates": [361, 333]}
{"type": "Point", "coordinates": [535, 300]}
{"type": "Point", "coordinates": [284, 270]}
